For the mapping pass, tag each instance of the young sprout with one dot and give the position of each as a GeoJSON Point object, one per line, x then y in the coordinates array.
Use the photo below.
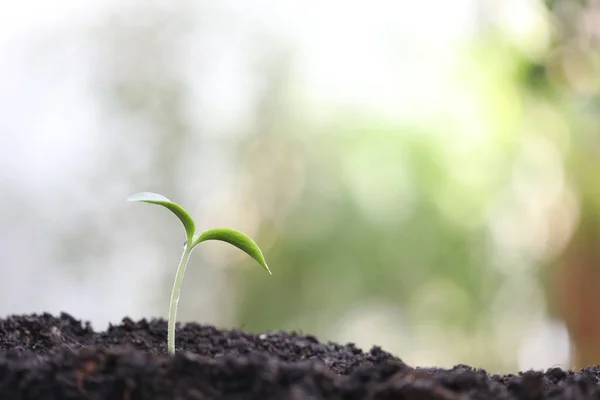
{"type": "Point", "coordinates": [231, 236]}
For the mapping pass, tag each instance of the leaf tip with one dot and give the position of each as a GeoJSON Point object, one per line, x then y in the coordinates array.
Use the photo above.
{"type": "Point", "coordinates": [147, 197]}
{"type": "Point", "coordinates": [137, 197]}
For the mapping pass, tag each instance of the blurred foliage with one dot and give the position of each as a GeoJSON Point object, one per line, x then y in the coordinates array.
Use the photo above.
{"type": "Point", "coordinates": [433, 235]}
{"type": "Point", "coordinates": [402, 214]}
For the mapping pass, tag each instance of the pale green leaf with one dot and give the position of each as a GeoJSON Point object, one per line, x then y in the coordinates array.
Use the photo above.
{"type": "Point", "coordinates": [180, 212]}
{"type": "Point", "coordinates": [236, 238]}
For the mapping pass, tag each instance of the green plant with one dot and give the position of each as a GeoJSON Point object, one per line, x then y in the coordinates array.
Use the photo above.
{"type": "Point", "coordinates": [231, 236]}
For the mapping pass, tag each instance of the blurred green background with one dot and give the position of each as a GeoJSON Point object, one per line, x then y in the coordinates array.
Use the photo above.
{"type": "Point", "coordinates": [421, 177]}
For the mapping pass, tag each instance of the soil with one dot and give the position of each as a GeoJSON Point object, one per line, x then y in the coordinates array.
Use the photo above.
{"type": "Point", "coordinates": [51, 358]}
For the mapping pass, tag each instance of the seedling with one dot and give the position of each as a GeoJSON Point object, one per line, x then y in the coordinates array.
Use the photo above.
{"type": "Point", "coordinates": [231, 236]}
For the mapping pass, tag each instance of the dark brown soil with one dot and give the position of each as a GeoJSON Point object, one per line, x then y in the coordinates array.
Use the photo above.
{"type": "Point", "coordinates": [45, 357]}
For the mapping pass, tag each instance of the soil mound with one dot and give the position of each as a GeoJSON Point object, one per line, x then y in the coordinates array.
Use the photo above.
{"type": "Point", "coordinates": [43, 357]}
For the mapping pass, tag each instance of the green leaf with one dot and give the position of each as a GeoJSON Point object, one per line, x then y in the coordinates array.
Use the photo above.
{"type": "Point", "coordinates": [180, 212]}
{"type": "Point", "coordinates": [236, 238]}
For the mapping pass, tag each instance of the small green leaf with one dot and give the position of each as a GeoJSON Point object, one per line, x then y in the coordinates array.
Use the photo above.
{"type": "Point", "coordinates": [180, 212]}
{"type": "Point", "coordinates": [236, 238]}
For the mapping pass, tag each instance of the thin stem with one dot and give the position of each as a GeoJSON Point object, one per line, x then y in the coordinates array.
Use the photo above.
{"type": "Point", "coordinates": [175, 296]}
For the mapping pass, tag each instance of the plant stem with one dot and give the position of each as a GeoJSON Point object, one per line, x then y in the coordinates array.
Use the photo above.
{"type": "Point", "coordinates": [175, 296]}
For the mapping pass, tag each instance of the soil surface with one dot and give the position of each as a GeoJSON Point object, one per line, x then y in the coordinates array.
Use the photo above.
{"type": "Point", "coordinates": [48, 357]}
